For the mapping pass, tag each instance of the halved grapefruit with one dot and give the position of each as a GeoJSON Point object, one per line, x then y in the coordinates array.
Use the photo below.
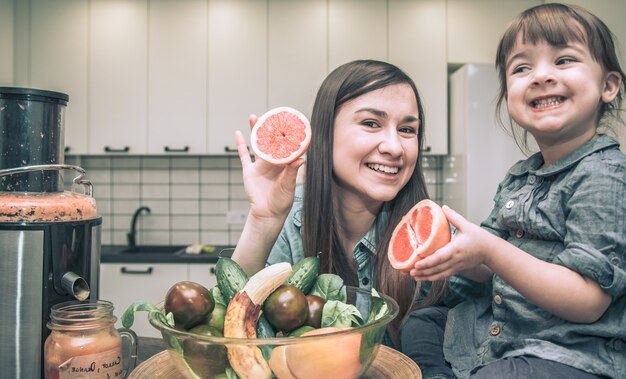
{"type": "Point", "coordinates": [281, 135]}
{"type": "Point", "coordinates": [421, 232]}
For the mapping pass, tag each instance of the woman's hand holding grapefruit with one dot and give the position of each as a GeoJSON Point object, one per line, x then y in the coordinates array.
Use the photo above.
{"type": "Point", "coordinates": [270, 188]}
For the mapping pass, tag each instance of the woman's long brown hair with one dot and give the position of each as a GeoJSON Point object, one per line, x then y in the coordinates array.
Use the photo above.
{"type": "Point", "coordinates": [319, 225]}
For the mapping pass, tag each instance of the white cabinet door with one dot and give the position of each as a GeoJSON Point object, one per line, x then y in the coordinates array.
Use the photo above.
{"type": "Point", "coordinates": [417, 44]}
{"type": "Point", "coordinates": [357, 30]}
{"type": "Point", "coordinates": [6, 44]}
{"type": "Point", "coordinates": [117, 76]}
{"type": "Point", "coordinates": [474, 27]}
{"type": "Point", "coordinates": [59, 33]}
{"type": "Point", "coordinates": [177, 76]}
{"type": "Point", "coordinates": [203, 273]}
{"type": "Point", "coordinates": [125, 283]}
{"type": "Point", "coordinates": [237, 69]}
{"type": "Point", "coordinates": [297, 52]}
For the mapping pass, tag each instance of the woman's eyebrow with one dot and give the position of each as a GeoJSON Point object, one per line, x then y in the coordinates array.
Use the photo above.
{"type": "Point", "coordinates": [383, 114]}
{"type": "Point", "coordinates": [374, 111]}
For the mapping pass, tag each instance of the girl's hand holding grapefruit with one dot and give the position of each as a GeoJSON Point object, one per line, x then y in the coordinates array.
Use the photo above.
{"type": "Point", "coordinates": [465, 254]}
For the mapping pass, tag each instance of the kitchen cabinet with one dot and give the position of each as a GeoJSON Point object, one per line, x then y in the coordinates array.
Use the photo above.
{"type": "Point", "coordinates": [177, 76]}
{"type": "Point", "coordinates": [474, 27]}
{"type": "Point", "coordinates": [424, 60]}
{"type": "Point", "coordinates": [237, 69]}
{"type": "Point", "coordinates": [58, 51]}
{"type": "Point", "coordinates": [357, 29]}
{"type": "Point", "coordinates": [117, 76]}
{"type": "Point", "coordinates": [202, 273]}
{"type": "Point", "coordinates": [6, 43]}
{"type": "Point", "coordinates": [125, 283]}
{"type": "Point", "coordinates": [297, 52]}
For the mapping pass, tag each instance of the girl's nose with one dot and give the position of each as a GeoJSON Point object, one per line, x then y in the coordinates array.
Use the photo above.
{"type": "Point", "coordinates": [543, 74]}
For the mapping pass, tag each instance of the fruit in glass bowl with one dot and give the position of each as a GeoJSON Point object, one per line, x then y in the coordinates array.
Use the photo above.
{"type": "Point", "coordinates": [341, 352]}
{"type": "Point", "coordinates": [250, 339]}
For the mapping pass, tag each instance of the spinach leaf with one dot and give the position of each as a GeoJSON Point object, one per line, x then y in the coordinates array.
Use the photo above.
{"type": "Point", "coordinates": [330, 287]}
{"type": "Point", "coordinates": [379, 308]}
{"type": "Point", "coordinates": [340, 314]}
{"type": "Point", "coordinates": [128, 317]}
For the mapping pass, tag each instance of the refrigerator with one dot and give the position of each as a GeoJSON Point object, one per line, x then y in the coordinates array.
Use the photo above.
{"type": "Point", "coordinates": [481, 151]}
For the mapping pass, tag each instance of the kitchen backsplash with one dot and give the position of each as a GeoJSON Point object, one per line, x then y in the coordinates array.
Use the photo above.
{"type": "Point", "coordinates": [190, 197]}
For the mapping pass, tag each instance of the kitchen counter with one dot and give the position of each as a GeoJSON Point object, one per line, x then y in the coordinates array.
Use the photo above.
{"type": "Point", "coordinates": [159, 254]}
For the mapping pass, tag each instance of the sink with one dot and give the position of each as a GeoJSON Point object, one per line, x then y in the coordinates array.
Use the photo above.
{"type": "Point", "coordinates": [154, 249]}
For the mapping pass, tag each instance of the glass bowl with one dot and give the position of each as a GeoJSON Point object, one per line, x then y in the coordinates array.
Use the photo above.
{"type": "Point", "coordinates": [345, 353]}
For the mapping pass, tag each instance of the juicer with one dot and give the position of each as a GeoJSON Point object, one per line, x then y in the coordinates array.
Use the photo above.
{"type": "Point", "coordinates": [49, 236]}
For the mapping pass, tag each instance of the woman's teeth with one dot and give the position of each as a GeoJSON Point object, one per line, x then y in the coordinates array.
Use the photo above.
{"type": "Point", "coordinates": [547, 102]}
{"type": "Point", "coordinates": [385, 169]}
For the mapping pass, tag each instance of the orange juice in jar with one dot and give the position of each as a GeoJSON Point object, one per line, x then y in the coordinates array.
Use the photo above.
{"type": "Point", "coordinates": [84, 343]}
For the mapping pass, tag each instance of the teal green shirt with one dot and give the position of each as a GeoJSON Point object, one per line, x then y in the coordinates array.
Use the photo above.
{"type": "Point", "coordinates": [572, 213]}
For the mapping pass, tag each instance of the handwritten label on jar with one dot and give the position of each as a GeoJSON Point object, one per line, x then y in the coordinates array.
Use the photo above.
{"type": "Point", "coordinates": [105, 365]}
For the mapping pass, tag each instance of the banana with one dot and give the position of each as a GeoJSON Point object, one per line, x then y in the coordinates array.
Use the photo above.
{"type": "Point", "coordinates": [241, 316]}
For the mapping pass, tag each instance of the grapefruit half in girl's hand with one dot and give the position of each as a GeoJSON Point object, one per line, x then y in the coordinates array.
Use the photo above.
{"type": "Point", "coordinates": [421, 232]}
{"type": "Point", "coordinates": [281, 135]}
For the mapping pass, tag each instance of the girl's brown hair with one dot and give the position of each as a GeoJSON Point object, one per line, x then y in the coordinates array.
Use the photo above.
{"type": "Point", "coordinates": [558, 25]}
{"type": "Point", "coordinates": [320, 223]}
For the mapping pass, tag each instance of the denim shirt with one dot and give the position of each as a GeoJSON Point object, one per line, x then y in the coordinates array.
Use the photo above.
{"type": "Point", "coordinates": [572, 213]}
{"type": "Point", "coordinates": [289, 248]}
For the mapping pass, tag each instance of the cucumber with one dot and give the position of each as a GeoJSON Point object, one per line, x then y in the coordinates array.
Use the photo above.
{"type": "Point", "coordinates": [304, 274]}
{"type": "Point", "coordinates": [231, 278]}
{"type": "Point", "coordinates": [264, 330]}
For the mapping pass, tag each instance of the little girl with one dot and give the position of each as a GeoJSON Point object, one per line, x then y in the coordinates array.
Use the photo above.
{"type": "Point", "coordinates": [553, 249]}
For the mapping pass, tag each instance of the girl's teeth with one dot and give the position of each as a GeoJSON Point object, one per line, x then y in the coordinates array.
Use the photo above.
{"type": "Point", "coordinates": [385, 169]}
{"type": "Point", "coordinates": [542, 103]}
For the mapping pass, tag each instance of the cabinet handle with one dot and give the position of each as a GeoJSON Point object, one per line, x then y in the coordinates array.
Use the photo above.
{"type": "Point", "coordinates": [427, 149]}
{"type": "Point", "coordinates": [147, 271]}
{"type": "Point", "coordinates": [228, 149]}
{"type": "Point", "coordinates": [66, 149]}
{"type": "Point", "coordinates": [109, 149]}
{"type": "Point", "coordinates": [168, 149]}
{"type": "Point", "coordinates": [212, 270]}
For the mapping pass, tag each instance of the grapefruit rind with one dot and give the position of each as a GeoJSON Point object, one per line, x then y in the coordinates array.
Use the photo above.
{"type": "Point", "coordinates": [281, 135]}
{"type": "Point", "coordinates": [422, 231]}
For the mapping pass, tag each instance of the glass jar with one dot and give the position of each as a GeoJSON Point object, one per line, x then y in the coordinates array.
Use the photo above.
{"type": "Point", "coordinates": [84, 343]}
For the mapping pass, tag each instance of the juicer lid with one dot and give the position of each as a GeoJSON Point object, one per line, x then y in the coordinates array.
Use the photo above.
{"type": "Point", "coordinates": [34, 94]}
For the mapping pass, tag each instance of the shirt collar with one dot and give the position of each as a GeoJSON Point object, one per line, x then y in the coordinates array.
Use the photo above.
{"type": "Point", "coordinates": [368, 241]}
{"type": "Point", "coordinates": [535, 161]}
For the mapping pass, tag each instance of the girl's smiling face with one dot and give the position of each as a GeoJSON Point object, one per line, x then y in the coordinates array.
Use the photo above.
{"type": "Point", "coordinates": [375, 144]}
{"type": "Point", "coordinates": [555, 92]}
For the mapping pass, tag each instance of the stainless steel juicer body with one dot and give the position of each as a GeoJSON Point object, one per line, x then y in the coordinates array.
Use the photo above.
{"type": "Point", "coordinates": [49, 238]}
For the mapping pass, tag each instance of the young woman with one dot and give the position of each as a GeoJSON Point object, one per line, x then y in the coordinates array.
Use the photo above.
{"type": "Point", "coordinates": [362, 175]}
{"type": "Point", "coordinates": [553, 250]}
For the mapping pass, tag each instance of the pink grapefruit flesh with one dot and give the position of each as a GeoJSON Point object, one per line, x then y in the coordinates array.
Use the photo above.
{"type": "Point", "coordinates": [281, 135]}
{"type": "Point", "coordinates": [421, 232]}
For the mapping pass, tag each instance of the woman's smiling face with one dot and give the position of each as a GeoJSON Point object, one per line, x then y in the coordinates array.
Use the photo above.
{"type": "Point", "coordinates": [375, 144]}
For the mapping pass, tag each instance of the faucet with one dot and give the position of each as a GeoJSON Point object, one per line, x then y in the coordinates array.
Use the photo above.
{"type": "Point", "coordinates": [132, 234]}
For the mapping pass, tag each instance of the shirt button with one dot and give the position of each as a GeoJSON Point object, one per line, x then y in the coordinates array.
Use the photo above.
{"type": "Point", "coordinates": [614, 260]}
{"type": "Point", "coordinates": [365, 281]}
{"type": "Point", "coordinates": [519, 233]}
{"type": "Point", "coordinates": [497, 299]}
{"type": "Point", "coordinates": [532, 179]}
{"type": "Point", "coordinates": [495, 330]}
{"type": "Point", "coordinates": [509, 204]}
